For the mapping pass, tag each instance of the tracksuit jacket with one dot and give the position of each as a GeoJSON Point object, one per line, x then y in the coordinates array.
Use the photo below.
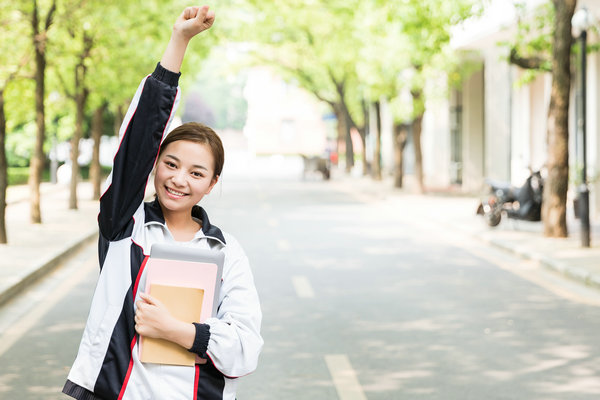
{"type": "Point", "coordinates": [107, 365]}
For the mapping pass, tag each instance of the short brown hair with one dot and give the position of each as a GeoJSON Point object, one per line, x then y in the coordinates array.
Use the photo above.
{"type": "Point", "coordinates": [198, 133]}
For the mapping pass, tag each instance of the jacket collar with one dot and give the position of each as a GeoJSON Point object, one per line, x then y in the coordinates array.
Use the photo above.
{"type": "Point", "coordinates": [154, 214]}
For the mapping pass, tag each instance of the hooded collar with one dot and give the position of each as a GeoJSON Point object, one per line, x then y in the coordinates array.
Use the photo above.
{"type": "Point", "coordinates": [154, 214]}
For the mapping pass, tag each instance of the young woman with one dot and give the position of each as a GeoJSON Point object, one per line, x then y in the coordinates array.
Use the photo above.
{"type": "Point", "coordinates": [188, 165]}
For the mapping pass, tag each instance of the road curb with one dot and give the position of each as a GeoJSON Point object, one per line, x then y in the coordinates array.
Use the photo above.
{"type": "Point", "coordinates": [577, 274]}
{"type": "Point", "coordinates": [46, 266]}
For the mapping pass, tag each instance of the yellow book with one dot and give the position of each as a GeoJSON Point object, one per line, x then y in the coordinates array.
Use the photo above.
{"type": "Point", "coordinates": [185, 304]}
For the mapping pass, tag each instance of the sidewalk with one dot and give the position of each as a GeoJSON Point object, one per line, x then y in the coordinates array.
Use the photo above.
{"type": "Point", "coordinates": [525, 239]}
{"type": "Point", "coordinates": [33, 250]}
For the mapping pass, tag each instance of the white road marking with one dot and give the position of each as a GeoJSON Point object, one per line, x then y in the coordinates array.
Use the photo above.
{"type": "Point", "coordinates": [284, 245]}
{"type": "Point", "coordinates": [303, 287]}
{"type": "Point", "coordinates": [344, 377]}
{"type": "Point", "coordinates": [15, 331]}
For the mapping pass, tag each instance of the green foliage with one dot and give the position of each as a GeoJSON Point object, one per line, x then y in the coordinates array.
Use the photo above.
{"type": "Point", "coordinates": [20, 175]}
{"type": "Point", "coordinates": [533, 38]}
{"type": "Point", "coordinates": [366, 45]}
{"type": "Point", "coordinates": [420, 47]}
{"type": "Point", "coordinates": [128, 38]}
{"type": "Point", "coordinates": [534, 34]}
{"type": "Point", "coordinates": [19, 144]}
{"type": "Point", "coordinates": [314, 45]}
{"type": "Point", "coordinates": [361, 50]}
{"type": "Point", "coordinates": [16, 56]}
{"type": "Point", "coordinates": [461, 66]}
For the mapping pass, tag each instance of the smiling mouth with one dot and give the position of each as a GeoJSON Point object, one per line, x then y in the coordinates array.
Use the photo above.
{"type": "Point", "coordinates": [174, 192]}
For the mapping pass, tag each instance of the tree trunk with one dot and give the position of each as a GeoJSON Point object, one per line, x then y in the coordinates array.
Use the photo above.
{"type": "Point", "coordinates": [417, 125]}
{"type": "Point", "coordinates": [348, 123]}
{"type": "Point", "coordinates": [377, 150]}
{"type": "Point", "coordinates": [95, 169]}
{"type": "Point", "coordinates": [344, 134]}
{"type": "Point", "coordinates": [400, 136]}
{"type": "Point", "coordinates": [555, 189]}
{"type": "Point", "coordinates": [80, 106]}
{"type": "Point", "coordinates": [349, 146]}
{"type": "Point", "coordinates": [364, 131]}
{"type": "Point", "coordinates": [3, 171]}
{"type": "Point", "coordinates": [341, 130]}
{"type": "Point", "coordinates": [36, 165]}
{"type": "Point", "coordinates": [81, 95]}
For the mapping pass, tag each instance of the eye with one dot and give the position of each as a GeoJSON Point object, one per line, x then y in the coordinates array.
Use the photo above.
{"type": "Point", "coordinates": [197, 174]}
{"type": "Point", "coordinates": [170, 164]}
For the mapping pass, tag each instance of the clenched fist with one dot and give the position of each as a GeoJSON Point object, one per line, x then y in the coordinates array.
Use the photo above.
{"type": "Point", "coordinates": [194, 20]}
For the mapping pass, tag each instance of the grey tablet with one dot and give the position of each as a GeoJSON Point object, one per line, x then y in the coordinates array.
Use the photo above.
{"type": "Point", "coordinates": [170, 251]}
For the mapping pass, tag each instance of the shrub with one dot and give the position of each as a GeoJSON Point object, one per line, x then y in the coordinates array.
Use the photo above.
{"type": "Point", "coordinates": [20, 175]}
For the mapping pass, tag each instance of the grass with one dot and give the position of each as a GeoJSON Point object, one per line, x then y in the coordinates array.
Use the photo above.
{"type": "Point", "coordinates": [20, 175]}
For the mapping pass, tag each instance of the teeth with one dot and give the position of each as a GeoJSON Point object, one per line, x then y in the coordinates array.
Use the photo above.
{"type": "Point", "coordinates": [175, 193]}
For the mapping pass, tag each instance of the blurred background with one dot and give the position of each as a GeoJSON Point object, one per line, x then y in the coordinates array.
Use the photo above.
{"type": "Point", "coordinates": [444, 94]}
{"type": "Point", "coordinates": [361, 139]}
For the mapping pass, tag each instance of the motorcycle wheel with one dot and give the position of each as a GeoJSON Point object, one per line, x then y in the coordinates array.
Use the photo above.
{"type": "Point", "coordinates": [492, 218]}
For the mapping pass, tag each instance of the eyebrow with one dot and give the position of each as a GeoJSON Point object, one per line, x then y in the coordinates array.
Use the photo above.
{"type": "Point", "coordinates": [178, 160]}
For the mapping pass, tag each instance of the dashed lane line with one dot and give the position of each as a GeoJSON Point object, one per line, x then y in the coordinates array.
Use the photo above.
{"type": "Point", "coordinates": [303, 287]}
{"type": "Point", "coordinates": [284, 245]}
{"type": "Point", "coordinates": [344, 377]}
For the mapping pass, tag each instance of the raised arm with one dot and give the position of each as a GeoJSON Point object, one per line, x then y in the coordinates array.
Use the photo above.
{"type": "Point", "coordinates": [191, 22]}
{"type": "Point", "coordinates": [144, 127]}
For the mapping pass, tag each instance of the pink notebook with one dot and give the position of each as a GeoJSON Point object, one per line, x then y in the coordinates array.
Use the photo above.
{"type": "Point", "coordinates": [186, 274]}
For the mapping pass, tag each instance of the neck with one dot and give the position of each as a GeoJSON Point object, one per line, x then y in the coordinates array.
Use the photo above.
{"type": "Point", "coordinates": [181, 225]}
{"type": "Point", "coordinates": [178, 220]}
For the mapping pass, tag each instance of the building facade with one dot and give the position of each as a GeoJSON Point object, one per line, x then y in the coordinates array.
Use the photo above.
{"type": "Point", "coordinates": [282, 118]}
{"type": "Point", "coordinates": [494, 126]}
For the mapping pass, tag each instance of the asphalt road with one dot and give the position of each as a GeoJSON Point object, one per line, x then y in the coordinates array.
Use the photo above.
{"type": "Point", "coordinates": [360, 301]}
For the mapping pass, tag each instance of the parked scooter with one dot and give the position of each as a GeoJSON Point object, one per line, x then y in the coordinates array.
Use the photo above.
{"type": "Point", "coordinates": [523, 203]}
{"type": "Point", "coordinates": [320, 164]}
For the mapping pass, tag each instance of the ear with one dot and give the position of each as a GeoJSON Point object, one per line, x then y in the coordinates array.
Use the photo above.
{"type": "Point", "coordinates": [212, 184]}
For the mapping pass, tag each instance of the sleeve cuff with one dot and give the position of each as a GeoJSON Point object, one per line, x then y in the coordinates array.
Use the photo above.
{"type": "Point", "coordinates": [166, 76]}
{"type": "Point", "coordinates": [201, 340]}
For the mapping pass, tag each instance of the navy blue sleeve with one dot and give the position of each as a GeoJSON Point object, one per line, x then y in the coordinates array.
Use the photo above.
{"type": "Point", "coordinates": [141, 134]}
{"type": "Point", "coordinates": [201, 340]}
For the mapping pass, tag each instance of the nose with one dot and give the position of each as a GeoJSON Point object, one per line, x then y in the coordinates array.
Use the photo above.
{"type": "Point", "coordinates": [178, 178]}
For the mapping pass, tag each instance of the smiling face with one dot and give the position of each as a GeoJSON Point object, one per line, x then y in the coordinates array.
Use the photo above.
{"type": "Point", "coordinates": [184, 175]}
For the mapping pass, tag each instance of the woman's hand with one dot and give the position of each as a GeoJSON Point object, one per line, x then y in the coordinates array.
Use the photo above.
{"type": "Point", "coordinates": [153, 319]}
{"type": "Point", "coordinates": [192, 21]}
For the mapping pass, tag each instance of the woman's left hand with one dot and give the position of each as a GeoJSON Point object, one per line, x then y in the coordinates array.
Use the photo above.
{"type": "Point", "coordinates": [152, 318]}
